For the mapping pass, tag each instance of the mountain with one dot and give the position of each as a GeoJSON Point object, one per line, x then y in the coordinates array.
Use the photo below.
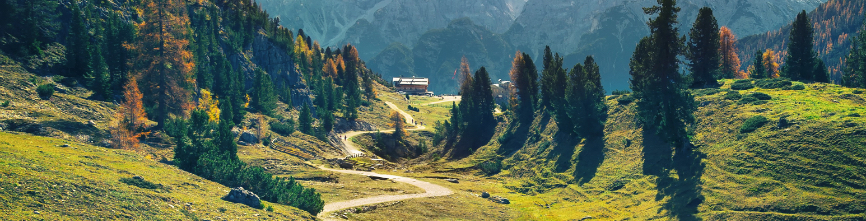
{"type": "Point", "coordinates": [835, 22]}
{"type": "Point", "coordinates": [575, 29]}
{"type": "Point", "coordinates": [373, 25]}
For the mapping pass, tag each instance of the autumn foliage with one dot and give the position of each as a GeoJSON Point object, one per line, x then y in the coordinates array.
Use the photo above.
{"type": "Point", "coordinates": [164, 63]}
{"type": "Point", "coordinates": [399, 125]}
{"type": "Point", "coordinates": [834, 23]}
{"type": "Point", "coordinates": [130, 119]}
{"type": "Point", "coordinates": [728, 51]}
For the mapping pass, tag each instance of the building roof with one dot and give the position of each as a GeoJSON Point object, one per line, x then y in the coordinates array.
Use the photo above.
{"type": "Point", "coordinates": [410, 81]}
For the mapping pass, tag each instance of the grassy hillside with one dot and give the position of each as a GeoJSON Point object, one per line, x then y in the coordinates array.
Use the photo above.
{"type": "Point", "coordinates": [80, 181]}
{"type": "Point", "coordinates": [810, 168]}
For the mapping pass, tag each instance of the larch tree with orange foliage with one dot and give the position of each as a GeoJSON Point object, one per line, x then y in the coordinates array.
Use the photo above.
{"type": "Point", "coordinates": [399, 125]}
{"type": "Point", "coordinates": [771, 63]}
{"type": "Point", "coordinates": [728, 50]}
{"type": "Point", "coordinates": [164, 63]}
{"type": "Point", "coordinates": [130, 118]}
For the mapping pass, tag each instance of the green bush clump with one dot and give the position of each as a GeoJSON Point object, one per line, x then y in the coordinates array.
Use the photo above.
{"type": "Point", "coordinates": [733, 95]}
{"type": "Point", "coordinates": [491, 167]}
{"type": "Point", "coordinates": [625, 99]}
{"type": "Point", "coordinates": [45, 91]}
{"type": "Point", "coordinates": [761, 96]}
{"type": "Point", "coordinates": [742, 85]}
{"type": "Point", "coordinates": [411, 108]}
{"type": "Point", "coordinates": [141, 183]}
{"type": "Point", "coordinates": [284, 129]}
{"type": "Point", "coordinates": [773, 83]}
{"type": "Point", "coordinates": [747, 100]}
{"type": "Point", "coordinates": [753, 123]}
{"type": "Point", "coordinates": [856, 91]}
{"type": "Point", "coordinates": [5, 104]}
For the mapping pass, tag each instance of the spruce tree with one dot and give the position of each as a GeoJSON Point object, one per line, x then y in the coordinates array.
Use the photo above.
{"type": "Point", "coordinates": [547, 78]}
{"type": "Point", "coordinates": [483, 94]}
{"type": "Point", "coordinates": [99, 77]}
{"type": "Point", "coordinates": [305, 120]}
{"type": "Point", "coordinates": [703, 49]}
{"type": "Point", "coordinates": [265, 101]}
{"type": "Point", "coordinates": [758, 70]}
{"type": "Point", "coordinates": [800, 63]}
{"type": "Point", "coordinates": [78, 46]}
{"type": "Point", "coordinates": [855, 67]}
{"type": "Point", "coordinates": [664, 105]}
{"type": "Point", "coordinates": [524, 78]}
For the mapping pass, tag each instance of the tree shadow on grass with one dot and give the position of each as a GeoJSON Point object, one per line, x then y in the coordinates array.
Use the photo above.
{"type": "Point", "coordinates": [684, 190]}
{"type": "Point", "coordinates": [591, 157]}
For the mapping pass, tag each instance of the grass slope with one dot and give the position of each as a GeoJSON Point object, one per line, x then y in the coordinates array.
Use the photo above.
{"type": "Point", "coordinates": [810, 169]}
{"type": "Point", "coordinates": [83, 182]}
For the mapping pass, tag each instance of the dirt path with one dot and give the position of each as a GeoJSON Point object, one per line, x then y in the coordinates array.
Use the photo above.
{"type": "Point", "coordinates": [430, 189]}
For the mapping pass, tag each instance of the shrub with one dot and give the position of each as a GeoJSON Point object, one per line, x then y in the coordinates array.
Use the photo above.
{"type": "Point", "coordinates": [45, 91]}
{"type": "Point", "coordinates": [625, 99]}
{"type": "Point", "coordinates": [753, 123]}
{"type": "Point", "coordinates": [284, 129]}
{"type": "Point", "coordinates": [855, 91]}
{"type": "Point", "coordinates": [141, 183]}
{"type": "Point", "coordinates": [747, 100]}
{"type": "Point", "coordinates": [742, 85]}
{"type": "Point", "coordinates": [773, 83]}
{"type": "Point", "coordinates": [620, 92]}
{"type": "Point", "coordinates": [5, 104]}
{"type": "Point", "coordinates": [798, 87]}
{"type": "Point", "coordinates": [761, 96]}
{"type": "Point", "coordinates": [491, 167]}
{"type": "Point", "coordinates": [733, 95]}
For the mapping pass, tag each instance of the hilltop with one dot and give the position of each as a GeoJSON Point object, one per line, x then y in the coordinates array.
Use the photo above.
{"type": "Point", "coordinates": [806, 161]}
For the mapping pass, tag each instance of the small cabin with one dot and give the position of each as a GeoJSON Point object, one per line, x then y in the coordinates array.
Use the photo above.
{"type": "Point", "coordinates": [412, 85]}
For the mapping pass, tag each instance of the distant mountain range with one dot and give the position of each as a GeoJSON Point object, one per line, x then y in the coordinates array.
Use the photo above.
{"type": "Point", "coordinates": [427, 38]}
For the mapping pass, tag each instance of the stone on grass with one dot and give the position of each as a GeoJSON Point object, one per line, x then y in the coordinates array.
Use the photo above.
{"type": "Point", "coordinates": [452, 180]}
{"type": "Point", "coordinates": [485, 195]}
{"type": "Point", "coordinates": [246, 197]}
{"type": "Point", "coordinates": [249, 137]}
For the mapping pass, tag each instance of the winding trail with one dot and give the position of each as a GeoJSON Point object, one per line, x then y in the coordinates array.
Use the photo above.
{"type": "Point", "coordinates": [430, 189]}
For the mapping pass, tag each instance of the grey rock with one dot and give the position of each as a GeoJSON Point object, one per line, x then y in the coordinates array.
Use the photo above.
{"type": "Point", "coordinates": [452, 180]}
{"type": "Point", "coordinates": [500, 200]}
{"type": "Point", "coordinates": [249, 137]}
{"type": "Point", "coordinates": [242, 196]}
{"type": "Point", "coordinates": [64, 145]}
{"type": "Point", "coordinates": [485, 195]}
{"type": "Point", "coordinates": [35, 212]}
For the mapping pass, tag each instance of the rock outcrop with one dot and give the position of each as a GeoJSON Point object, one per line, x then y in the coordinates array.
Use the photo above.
{"type": "Point", "coordinates": [242, 196]}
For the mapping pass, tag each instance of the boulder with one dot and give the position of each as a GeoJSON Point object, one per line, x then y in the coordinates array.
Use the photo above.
{"type": "Point", "coordinates": [249, 137]}
{"type": "Point", "coordinates": [345, 164]}
{"type": "Point", "coordinates": [499, 199]}
{"type": "Point", "coordinates": [452, 180]}
{"type": "Point", "coordinates": [485, 195]}
{"type": "Point", "coordinates": [246, 197]}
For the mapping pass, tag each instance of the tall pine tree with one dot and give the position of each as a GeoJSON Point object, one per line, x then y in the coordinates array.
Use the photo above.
{"type": "Point", "coordinates": [524, 79]}
{"type": "Point", "coordinates": [758, 69]}
{"type": "Point", "coordinates": [801, 62]}
{"type": "Point", "coordinates": [855, 67]}
{"type": "Point", "coordinates": [264, 100]}
{"type": "Point", "coordinates": [703, 49]}
{"type": "Point", "coordinates": [665, 107]}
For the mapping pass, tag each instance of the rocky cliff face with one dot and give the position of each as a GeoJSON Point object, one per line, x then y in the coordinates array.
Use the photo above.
{"type": "Point", "coordinates": [278, 63]}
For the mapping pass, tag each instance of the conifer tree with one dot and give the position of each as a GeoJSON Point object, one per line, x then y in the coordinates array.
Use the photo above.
{"type": "Point", "coordinates": [483, 94]}
{"type": "Point", "coordinates": [665, 107]}
{"type": "Point", "coordinates": [524, 79]}
{"type": "Point", "coordinates": [468, 103]}
{"type": "Point", "coordinates": [78, 45]}
{"type": "Point", "coordinates": [730, 61]}
{"type": "Point", "coordinates": [758, 69]}
{"type": "Point", "coordinates": [855, 67]}
{"type": "Point", "coordinates": [703, 49]}
{"type": "Point", "coordinates": [305, 120]}
{"type": "Point", "coordinates": [265, 101]}
{"type": "Point", "coordinates": [351, 84]}
{"type": "Point", "coordinates": [99, 77]}
{"type": "Point", "coordinates": [547, 78]}
{"type": "Point", "coordinates": [164, 63]}
{"type": "Point", "coordinates": [800, 64]}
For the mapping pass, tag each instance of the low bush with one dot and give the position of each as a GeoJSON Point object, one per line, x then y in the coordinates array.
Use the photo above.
{"type": "Point", "coordinates": [747, 100]}
{"type": "Point", "coordinates": [856, 91]}
{"type": "Point", "coordinates": [625, 99]}
{"type": "Point", "coordinates": [761, 96]}
{"type": "Point", "coordinates": [753, 123]}
{"type": "Point", "coordinates": [773, 83]}
{"type": "Point", "coordinates": [141, 183]}
{"type": "Point", "coordinates": [411, 108]}
{"type": "Point", "coordinates": [45, 91]}
{"type": "Point", "coordinates": [491, 167]}
{"type": "Point", "coordinates": [284, 129]}
{"type": "Point", "coordinates": [742, 85]}
{"type": "Point", "coordinates": [733, 95]}
{"type": "Point", "coordinates": [5, 104]}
